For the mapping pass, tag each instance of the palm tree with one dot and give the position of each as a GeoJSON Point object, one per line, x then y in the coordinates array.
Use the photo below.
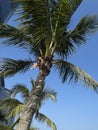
{"type": "Point", "coordinates": [43, 32]}
{"type": "Point", "coordinates": [16, 107]}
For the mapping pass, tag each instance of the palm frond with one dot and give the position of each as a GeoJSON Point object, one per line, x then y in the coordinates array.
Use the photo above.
{"type": "Point", "coordinates": [33, 82]}
{"type": "Point", "coordinates": [46, 22]}
{"type": "Point", "coordinates": [70, 72]}
{"type": "Point", "coordinates": [86, 26]}
{"type": "Point", "coordinates": [13, 107]}
{"type": "Point", "coordinates": [67, 44]}
{"type": "Point", "coordinates": [18, 37]}
{"type": "Point", "coordinates": [45, 95]}
{"type": "Point", "coordinates": [15, 123]}
{"type": "Point", "coordinates": [2, 116]}
{"type": "Point", "coordinates": [60, 17]}
{"type": "Point", "coordinates": [62, 12]}
{"type": "Point", "coordinates": [74, 4]}
{"type": "Point", "coordinates": [14, 37]}
{"type": "Point", "coordinates": [65, 47]}
{"type": "Point", "coordinates": [10, 67]}
{"type": "Point", "coordinates": [5, 127]}
{"type": "Point", "coordinates": [48, 93]}
{"type": "Point", "coordinates": [34, 128]}
{"type": "Point", "coordinates": [22, 89]}
{"type": "Point", "coordinates": [36, 15]}
{"type": "Point", "coordinates": [42, 118]}
{"type": "Point", "coordinates": [9, 102]}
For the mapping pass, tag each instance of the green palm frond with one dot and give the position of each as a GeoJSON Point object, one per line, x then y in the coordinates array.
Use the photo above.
{"type": "Point", "coordinates": [5, 127]}
{"type": "Point", "coordinates": [33, 82]}
{"type": "Point", "coordinates": [69, 41]}
{"type": "Point", "coordinates": [18, 37]}
{"type": "Point", "coordinates": [46, 22]}
{"type": "Point", "coordinates": [59, 22]}
{"type": "Point", "coordinates": [13, 107]}
{"type": "Point", "coordinates": [10, 67]}
{"type": "Point", "coordinates": [34, 128]}
{"type": "Point", "coordinates": [63, 11]}
{"type": "Point", "coordinates": [22, 89]}
{"type": "Point", "coordinates": [74, 4]}
{"type": "Point", "coordinates": [37, 18]}
{"type": "Point", "coordinates": [9, 102]}
{"type": "Point", "coordinates": [45, 95]}
{"type": "Point", "coordinates": [14, 36]}
{"type": "Point", "coordinates": [71, 72]}
{"type": "Point", "coordinates": [65, 47]}
{"type": "Point", "coordinates": [86, 26]}
{"type": "Point", "coordinates": [48, 93]}
{"type": "Point", "coordinates": [2, 116]}
{"type": "Point", "coordinates": [42, 118]}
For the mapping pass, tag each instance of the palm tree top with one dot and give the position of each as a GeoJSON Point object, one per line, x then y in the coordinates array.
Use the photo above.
{"type": "Point", "coordinates": [43, 28]}
{"type": "Point", "coordinates": [43, 31]}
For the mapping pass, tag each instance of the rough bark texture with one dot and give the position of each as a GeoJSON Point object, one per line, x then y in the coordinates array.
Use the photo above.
{"type": "Point", "coordinates": [30, 108]}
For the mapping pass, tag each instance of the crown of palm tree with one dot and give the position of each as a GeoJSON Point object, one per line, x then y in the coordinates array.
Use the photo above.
{"type": "Point", "coordinates": [43, 31]}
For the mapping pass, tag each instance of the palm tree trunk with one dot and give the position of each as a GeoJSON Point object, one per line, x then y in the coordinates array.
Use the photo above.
{"type": "Point", "coordinates": [30, 107]}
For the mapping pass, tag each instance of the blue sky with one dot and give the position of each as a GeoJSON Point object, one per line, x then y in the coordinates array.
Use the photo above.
{"type": "Point", "coordinates": [77, 106]}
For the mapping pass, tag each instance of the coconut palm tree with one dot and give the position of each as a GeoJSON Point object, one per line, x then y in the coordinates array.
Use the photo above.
{"type": "Point", "coordinates": [15, 107]}
{"type": "Point", "coordinates": [44, 32]}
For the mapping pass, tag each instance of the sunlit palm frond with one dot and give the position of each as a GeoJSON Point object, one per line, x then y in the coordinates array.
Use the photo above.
{"type": "Point", "coordinates": [10, 67]}
{"type": "Point", "coordinates": [13, 107]}
{"type": "Point", "coordinates": [5, 127]}
{"type": "Point", "coordinates": [14, 37]}
{"type": "Point", "coordinates": [22, 89]}
{"type": "Point", "coordinates": [9, 102]}
{"type": "Point", "coordinates": [48, 93]}
{"type": "Point", "coordinates": [70, 72]}
{"type": "Point", "coordinates": [86, 26]}
{"type": "Point", "coordinates": [34, 128]}
{"type": "Point", "coordinates": [42, 118]}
